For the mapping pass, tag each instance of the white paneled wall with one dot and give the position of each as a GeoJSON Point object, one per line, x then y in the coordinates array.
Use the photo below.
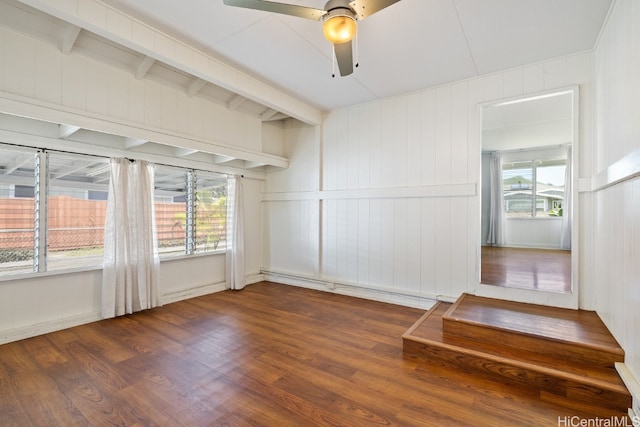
{"type": "Point", "coordinates": [397, 194]}
{"type": "Point", "coordinates": [37, 72]}
{"type": "Point", "coordinates": [616, 241]}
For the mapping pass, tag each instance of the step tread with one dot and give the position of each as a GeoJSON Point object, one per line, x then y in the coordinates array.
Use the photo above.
{"type": "Point", "coordinates": [576, 327]}
{"type": "Point", "coordinates": [428, 330]}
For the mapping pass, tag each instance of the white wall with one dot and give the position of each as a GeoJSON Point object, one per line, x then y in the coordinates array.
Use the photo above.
{"type": "Point", "coordinates": [75, 88]}
{"type": "Point", "coordinates": [615, 205]}
{"type": "Point", "coordinates": [396, 214]}
{"type": "Point", "coordinates": [38, 81]}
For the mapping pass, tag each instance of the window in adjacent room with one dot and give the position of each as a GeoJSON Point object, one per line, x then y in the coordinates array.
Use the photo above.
{"type": "Point", "coordinates": [533, 188]}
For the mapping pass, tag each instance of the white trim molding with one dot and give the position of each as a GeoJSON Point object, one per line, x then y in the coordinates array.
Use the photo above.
{"type": "Point", "coordinates": [449, 190]}
{"type": "Point", "coordinates": [47, 327]}
{"type": "Point", "coordinates": [624, 169]}
{"type": "Point", "coordinates": [365, 291]}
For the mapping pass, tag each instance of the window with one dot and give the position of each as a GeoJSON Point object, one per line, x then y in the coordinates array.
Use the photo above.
{"type": "Point", "coordinates": [48, 219]}
{"type": "Point", "coordinates": [17, 211]}
{"type": "Point", "coordinates": [53, 207]}
{"type": "Point", "coordinates": [190, 211]}
{"type": "Point", "coordinates": [75, 217]}
{"type": "Point", "coordinates": [171, 209]}
{"type": "Point", "coordinates": [210, 212]}
{"type": "Point", "coordinates": [533, 188]}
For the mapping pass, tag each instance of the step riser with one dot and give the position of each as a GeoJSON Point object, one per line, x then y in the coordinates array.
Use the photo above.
{"type": "Point", "coordinates": [549, 386]}
{"type": "Point", "coordinates": [569, 352]}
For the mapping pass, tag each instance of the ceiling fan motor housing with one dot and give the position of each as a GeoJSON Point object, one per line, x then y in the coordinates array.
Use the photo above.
{"type": "Point", "coordinates": [338, 8]}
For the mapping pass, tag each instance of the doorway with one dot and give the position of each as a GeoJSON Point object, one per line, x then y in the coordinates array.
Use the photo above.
{"type": "Point", "coordinates": [527, 249]}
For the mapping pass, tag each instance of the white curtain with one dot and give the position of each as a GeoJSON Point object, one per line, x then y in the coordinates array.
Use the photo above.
{"type": "Point", "coordinates": [567, 206]}
{"type": "Point", "coordinates": [235, 234]}
{"type": "Point", "coordinates": [131, 262]}
{"type": "Point", "coordinates": [496, 228]}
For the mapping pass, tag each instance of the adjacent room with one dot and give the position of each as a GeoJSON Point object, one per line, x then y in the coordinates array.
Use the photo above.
{"type": "Point", "coordinates": [244, 212]}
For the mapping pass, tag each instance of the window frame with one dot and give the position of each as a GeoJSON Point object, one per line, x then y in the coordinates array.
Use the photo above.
{"type": "Point", "coordinates": [534, 163]}
{"type": "Point", "coordinates": [192, 246]}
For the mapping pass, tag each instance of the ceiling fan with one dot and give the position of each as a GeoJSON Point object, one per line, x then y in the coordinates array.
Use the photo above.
{"type": "Point", "coordinates": [339, 21]}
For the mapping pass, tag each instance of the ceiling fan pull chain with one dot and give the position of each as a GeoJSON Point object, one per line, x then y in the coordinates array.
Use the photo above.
{"type": "Point", "coordinates": [356, 37]}
{"type": "Point", "coordinates": [333, 60]}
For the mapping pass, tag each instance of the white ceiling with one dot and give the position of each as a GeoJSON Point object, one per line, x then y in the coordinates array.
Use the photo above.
{"type": "Point", "coordinates": [410, 45]}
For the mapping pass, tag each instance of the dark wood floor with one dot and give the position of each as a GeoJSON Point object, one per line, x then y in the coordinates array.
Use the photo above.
{"type": "Point", "coordinates": [269, 355]}
{"type": "Point", "coordinates": [537, 269]}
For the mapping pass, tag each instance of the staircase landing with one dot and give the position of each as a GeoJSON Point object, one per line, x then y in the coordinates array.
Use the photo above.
{"type": "Point", "coordinates": [567, 355]}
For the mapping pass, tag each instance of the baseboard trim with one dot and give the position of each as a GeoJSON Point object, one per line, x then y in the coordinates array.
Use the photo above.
{"type": "Point", "coordinates": [46, 327]}
{"type": "Point", "coordinates": [193, 291]}
{"type": "Point", "coordinates": [381, 294]}
{"type": "Point", "coordinates": [253, 278]}
{"type": "Point", "coordinates": [633, 385]}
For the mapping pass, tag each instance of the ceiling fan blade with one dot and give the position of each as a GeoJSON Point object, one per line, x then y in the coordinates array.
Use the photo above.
{"type": "Point", "coordinates": [366, 8]}
{"type": "Point", "coordinates": [284, 8]}
{"type": "Point", "coordinates": [344, 56]}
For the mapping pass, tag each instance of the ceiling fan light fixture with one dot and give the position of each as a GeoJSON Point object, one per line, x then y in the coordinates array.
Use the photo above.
{"type": "Point", "coordinates": [339, 25]}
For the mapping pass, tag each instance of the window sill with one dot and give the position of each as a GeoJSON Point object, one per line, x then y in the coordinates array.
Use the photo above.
{"type": "Point", "coordinates": [25, 276]}
{"type": "Point", "coordinates": [535, 218]}
{"type": "Point", "coordinates": [184, 256]}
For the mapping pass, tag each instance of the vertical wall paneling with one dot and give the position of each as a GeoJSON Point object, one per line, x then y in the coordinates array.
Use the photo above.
{"type": "Point", "coordinates": [428, 245]}
{"type": "Point", "coordinates": [413, 220]}
{"type": "Point", "coordinates": [374, 252]}
{"type": "Point", "coordinates": [351, 239]}
{"type": "Point", "coordinates": [387, 231]}
{"type": "Point", "coordinates": [399, 242]}
{"type": "Point", "coordinates": [352, 130]}
{"type": "Point", "coordinates": [443, 250]}
{"type": "Point", "coordinates": [47, 69]}
{"type": "Point", "coordinates": [555, 73]}
{"type": "Point", "coordinates": [384, 225]}
{"type": "Point", "coordinates": [97, 89]}
{"type": "Point", "coordinates": [363, 146]}
{"type": "Point", "coordinates": [386, 174]}
{"type": "Point", "coordinates": [443, 135]}
{"type": "Point", "coordinates": [616, 209]}
{"type": "Point", "coordinates": [376, 153]}
{"type": "Point", "coordinates": [428, 137]}
{"type": "Point", "coordinates": [399, 142]}
{"type": "Point", "coordinates": [459, 134]}
{"type": "Point", "coordinates": [19, 65]}
{"type": "Point", "coordinates": [364, 245]}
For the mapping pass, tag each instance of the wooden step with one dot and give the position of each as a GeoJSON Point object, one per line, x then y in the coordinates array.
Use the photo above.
{"type": "Point", "coordinates": [569, 383]}
{"type": "Point", "coordinates": [576, 336]}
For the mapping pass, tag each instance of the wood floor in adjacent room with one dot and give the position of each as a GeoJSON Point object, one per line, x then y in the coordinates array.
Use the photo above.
{"type": "Point", "coordinates": [270, 355]}
{"type": "Point", "coordinates": [524, 268]}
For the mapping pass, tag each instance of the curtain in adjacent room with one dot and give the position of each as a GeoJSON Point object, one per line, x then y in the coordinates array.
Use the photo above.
{"type": "Point", "coordinates": [496, 203]}
{"type": "Point", "coordinates": [235, 234]}
{"type": "Point", "coordinates": [567, 206]}
{"type": "Point", "coordinates": [131, 261]}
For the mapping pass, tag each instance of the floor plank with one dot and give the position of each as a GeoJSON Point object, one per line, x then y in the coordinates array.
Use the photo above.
{"type": "Point", "coordinates": [270, 355]}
